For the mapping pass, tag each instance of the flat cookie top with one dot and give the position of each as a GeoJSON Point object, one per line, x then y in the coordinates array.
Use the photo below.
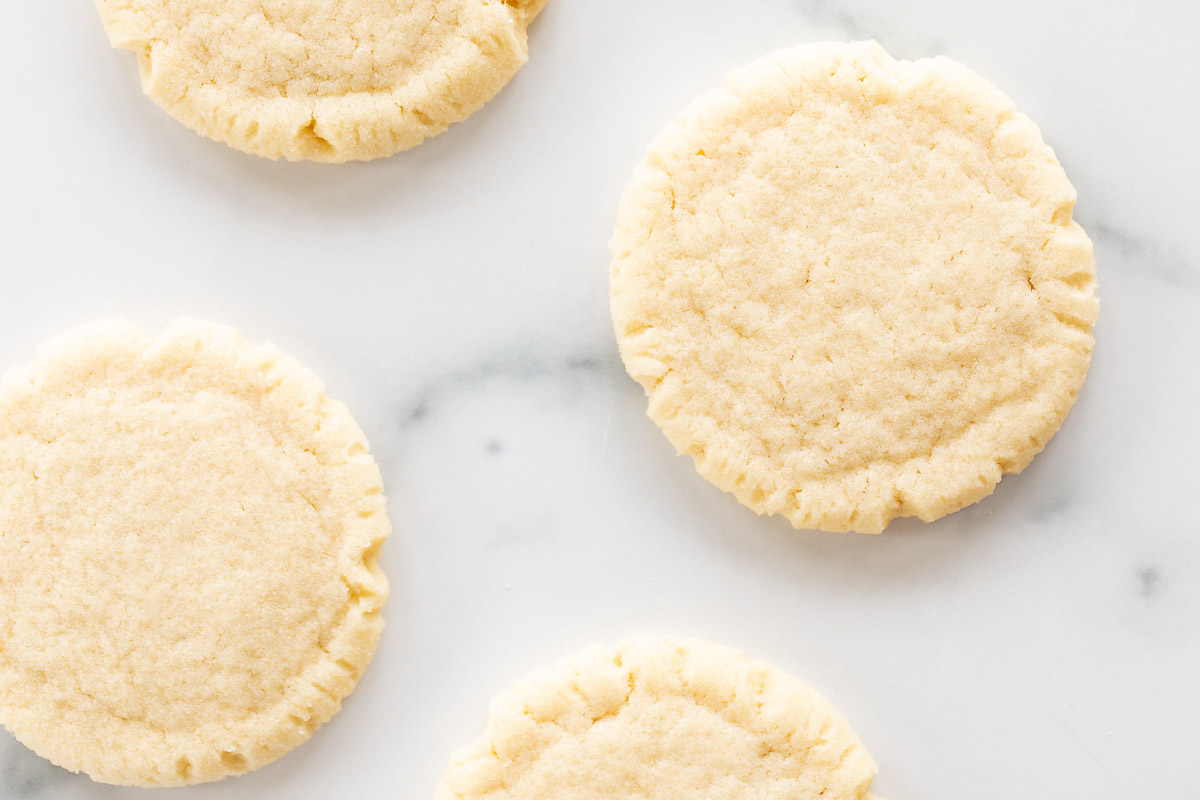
{"type": "Point", "coordinates": [323, 80]}
{"type": "Point", "coordinates": [189, 533]}
{"type": "Point", "coordinates": [661, 719]}
{"type": "Point", "coordinates": [852, 287]}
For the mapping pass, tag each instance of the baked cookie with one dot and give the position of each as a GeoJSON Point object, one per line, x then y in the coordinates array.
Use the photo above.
{"type": "Point", "coordinates": [189, 537]}
{"type": "Point", "coordinates": [661, 719]}
{"type": "Point", "coordinates": [852, 287]}
{"type": "Point", "coordinates": [322, 80]}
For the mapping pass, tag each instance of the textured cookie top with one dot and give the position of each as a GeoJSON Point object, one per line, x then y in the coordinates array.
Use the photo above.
{"type": "Point", "coordinates": [852, 287]}
{"type": "Point", "coordinates": [189, 533]}
{"type": "Point", "coordinates": [661, 719]}
{"type": "Point", "coordinates": [323, 80]}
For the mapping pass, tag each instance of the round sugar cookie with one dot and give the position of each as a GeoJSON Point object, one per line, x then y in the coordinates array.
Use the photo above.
{"type": "Point", "coordinates": [189, 536]}
{"type": "Point", "coordinates": [661, 718]}
{"type": "Point", "coordinates": [322, 80]}
{"type": "Point", "coordinates": [852, 287]}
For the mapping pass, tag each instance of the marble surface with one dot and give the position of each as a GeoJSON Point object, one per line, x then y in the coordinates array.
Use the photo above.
{"type": "Point", "coordinates": [1044, 643]}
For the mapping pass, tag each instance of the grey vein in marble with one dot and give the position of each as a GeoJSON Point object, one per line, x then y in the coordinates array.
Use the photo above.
{"type": "Point", "coordinates": [1149, 579]}
{"type": "Point", "coordinates": [28, 776]}
{"type": "Point", "coordinates": [824, 11]}
{"type": "Point", "coordinates": [516, 365]}
{"type": "Point", "coordinates": [857, 25]}
{"type": "Point", "coordinates": [1140, 257]}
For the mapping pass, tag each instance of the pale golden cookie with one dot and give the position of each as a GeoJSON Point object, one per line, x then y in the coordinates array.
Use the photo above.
{"type": "Point", "coordinates": [322, 80]}
{"type": "Point", "coordinates": [189, 536]}
{"type": "Point", "coordinates": [661, 719]}
{"type": "Point", "coordinates": [852, 288]}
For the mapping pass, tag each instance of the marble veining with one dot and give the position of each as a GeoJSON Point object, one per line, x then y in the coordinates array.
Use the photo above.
{"type": "Point", "coordinates": [519, 365]}
{"type": "Point", "coordinates": [849, 23]}
{"type": "Point", "coordinates": [1142, 259]}
{"type": "Point", "coordinates": [22, 774]}
{"type": "Point", "coordinates": [1149, 579]}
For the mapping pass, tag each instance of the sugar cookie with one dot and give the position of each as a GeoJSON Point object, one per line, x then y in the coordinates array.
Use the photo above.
{"type": "Point", "coordinates": [852, 287]}
{"type": "Point", "coordinates": [189, 536]}
{"type": "Point", "coordinates": [322, 80]}
{"type": "Point", "coordinates": [661, 719]}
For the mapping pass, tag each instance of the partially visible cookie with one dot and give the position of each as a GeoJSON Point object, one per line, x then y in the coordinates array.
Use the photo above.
{"type": "Point", "coordinates": [660, 718]}
{"type": "Point", "coordinates": [322, 80]}
{"type": "Point", "coordinates": [189, 537]}
{"type": "Point", "coordinates": [852, 287]}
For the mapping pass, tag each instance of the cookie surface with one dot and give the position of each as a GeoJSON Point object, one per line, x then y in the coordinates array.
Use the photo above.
{"type": "Point", "coordinates": [852, 287]}
{"type": "Point", "coordinates": [189, 532]}
{"type": "Point", "coordinates": [661, 719]}
{"type": "Point", "coordinates": [322, 80]}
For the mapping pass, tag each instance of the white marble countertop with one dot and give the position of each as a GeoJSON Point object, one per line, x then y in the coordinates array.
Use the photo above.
{"type": "Point", "coordinates": [1042, 644]}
